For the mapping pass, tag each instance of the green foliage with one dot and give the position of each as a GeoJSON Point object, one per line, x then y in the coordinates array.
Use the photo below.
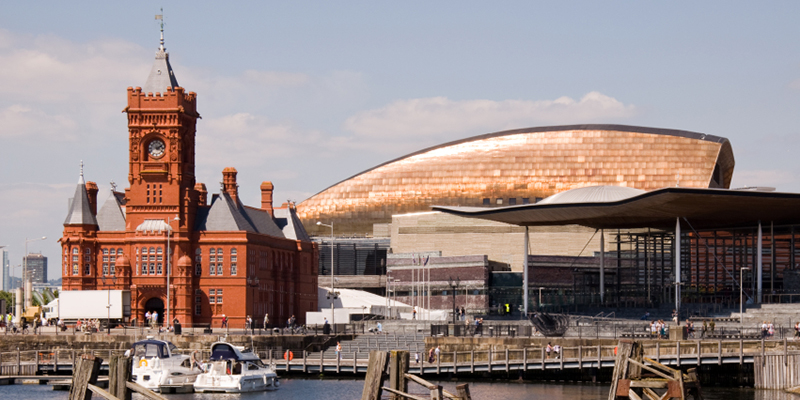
{"type": "Point", "coordinates": [7, 297]}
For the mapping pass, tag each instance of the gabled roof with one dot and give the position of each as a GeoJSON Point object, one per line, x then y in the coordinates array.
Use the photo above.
{"type": "Point", "coordinates": [225, 214]}
{"type": "Point", "coordinates": [161, 75]}
{"type": "Point", "coordinates": [287, 220]}
{"type": "Point", "coordinates": [80, 213]}
{"type": "Point", "coordinates": [111, 217]}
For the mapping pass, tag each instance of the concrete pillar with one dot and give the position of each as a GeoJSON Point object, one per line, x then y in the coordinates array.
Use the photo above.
{"type": "Point", "coordinates": [525, 274]}
{"type": "Point", "coordinates": [759, 268]}
{"type": "Point", "coordinates": [28, 294]}
{"type": "Point", "coordinates": [18, 306]}
{"type": "Point", "coordinates": [678, 265]}
{"type": "Point", "coordinates": [602, 267]}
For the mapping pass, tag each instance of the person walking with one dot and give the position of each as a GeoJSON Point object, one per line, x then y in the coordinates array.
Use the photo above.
{"type": "Point", "coordinates": [338, 350]}
{"type": "Point", "coordinates": [266, 321]}
{"type": "Point", "coordinates": [224, 321]}
{"type": "Point", "coordinates": [549, 350]}
{"type": "Point", "coordinates": [436, 353]}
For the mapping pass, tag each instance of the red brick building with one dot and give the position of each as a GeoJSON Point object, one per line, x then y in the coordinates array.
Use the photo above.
{"type": "Point", "coordinates": [226, 258]}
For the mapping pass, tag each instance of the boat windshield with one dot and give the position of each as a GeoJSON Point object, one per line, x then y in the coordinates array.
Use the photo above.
{"type": "Point", "coordinates": [172, 348]}
{"type": "Point", "coordinates": [149, 350]}
{"type": "Point", "coordinates": [222, 351]}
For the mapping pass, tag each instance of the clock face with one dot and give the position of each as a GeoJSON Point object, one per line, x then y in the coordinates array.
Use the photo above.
{"type": "Point", "coordinates": [156, 148]}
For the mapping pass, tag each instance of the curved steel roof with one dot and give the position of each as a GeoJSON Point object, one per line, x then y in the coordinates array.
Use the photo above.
{"type": "Point", "coordinates": [702, 208]}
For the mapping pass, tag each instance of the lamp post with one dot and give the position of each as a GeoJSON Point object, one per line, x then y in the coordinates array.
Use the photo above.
{"type": "Point", "coordinates": [168, 320]}
{"type": "Point", "coordinates": [25, 268]}
{"type": "Point", "coordinates": [254, 284]}
{"type": "Point", "coordinates": [332, 292]}
{"type": "Point", "coordinates": [453, 286]}
{"type": "Point", "coordinates": [108, 307]}
{"type": "Point", "coordinates": [741, 298]}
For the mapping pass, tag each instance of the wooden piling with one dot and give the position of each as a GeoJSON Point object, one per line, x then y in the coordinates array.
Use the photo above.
{"type": "Point", "coordinates": [119, 372]}
{"type": "Point", "coordinates": [374, 379]}
{"type": "Point", "coordinates": [398, 368]}
{"type": "Point", "coordinates": [463, 391]}
{"type": "Point", "coordinates": [86, 374]}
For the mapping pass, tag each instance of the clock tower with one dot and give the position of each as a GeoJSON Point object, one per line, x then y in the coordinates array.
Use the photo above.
{"type": "Point", "coordinates": [161, 129]}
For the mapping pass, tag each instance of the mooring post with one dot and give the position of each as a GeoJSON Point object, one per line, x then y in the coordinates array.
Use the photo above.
{"type": "Point", "coordinates": [119, 372]}
{"type": "Point", "coordinates": [398, 367]}
{"type": "Point", "coordinates": [462, 391]}
{"type": "Point", "coordinates": [355, 362]}
{"type": "Point", "coordinates": [374, 379]}
{"type": "Point", "coordinates": [83, 376]}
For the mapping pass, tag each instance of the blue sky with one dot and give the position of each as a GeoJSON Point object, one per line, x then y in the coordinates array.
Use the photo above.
{"type": "Point", "coordinates": [307, 93]}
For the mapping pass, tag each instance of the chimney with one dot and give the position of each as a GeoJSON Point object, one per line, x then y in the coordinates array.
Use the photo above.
{"type": "Point", "coordinates": [91, 191]}
{"type": "Point", "coordinates": [202, 193]}
{"type": "Point", "coordinates": [266, 197]}
{"type": "Point", "coordinates": [229, 183]}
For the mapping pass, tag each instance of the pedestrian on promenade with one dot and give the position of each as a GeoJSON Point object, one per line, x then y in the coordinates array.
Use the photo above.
{"type": "Point", "coordinates": [414, 313]}
{"type": "Point", "coordinates": [224, 321]}
{"type": "Point", "coordinates": [380, 328]}
{"type": "Point", "coordinates": [653, 329]}
{"type": "Point", "coordinates": [675, 317]}
{"type": "Point", "coordinates": [689, 329]}
{"type": "Point", "coordinates": [770, 329]}
{"type": "Point", "coordinates": [557, 350]}
{"type": "Point", "coordinates": [338, 350]}
{"type": "Point", "coordinates": [266, 321]}
{"type": "Point", "coordinates": [416, 357]}
{"type": "Point", "coordinates": [705, 328]}
{"type": "Point", "coordinates": [147, 319]}
{"type": "Point", "coordinates": [549, 350]}
{"type": "Point", "coordinates": [436, 353]}
{"type": "Point", "coordinates": [711, 326]}
{"type": "Point", "coordinates": [247, 322]}
{"type": "Point", "coordinates": [797, 330]}
{"type": "Point", "coordinates": [764, 330]}
{"type": "Point", "coordinates": [430, 356]}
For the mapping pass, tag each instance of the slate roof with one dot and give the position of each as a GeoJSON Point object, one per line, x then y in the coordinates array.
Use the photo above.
{"type": "Point", "coordinates": [225, 214]}
{"type": "Point", "coordinates": [161, 75]}
{"type": "Point", "coordinates": [79, 211]}
{"type": "Point", "coordinates": [111, 217]}
{"type": "Point", "coordinates": [287, 220]}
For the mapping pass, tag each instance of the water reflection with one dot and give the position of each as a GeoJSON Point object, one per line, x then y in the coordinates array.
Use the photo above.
{"type": "Point", "coordinates": [343, 389]}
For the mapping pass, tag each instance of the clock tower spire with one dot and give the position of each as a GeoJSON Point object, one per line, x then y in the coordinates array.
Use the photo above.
{"type": "Point", "coordinates": [162, 121]}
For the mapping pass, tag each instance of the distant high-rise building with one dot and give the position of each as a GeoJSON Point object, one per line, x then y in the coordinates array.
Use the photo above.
{"type": "Point", "coordinates": [36, 263]}
{"type": "Point", "coordinates": [5, 272]}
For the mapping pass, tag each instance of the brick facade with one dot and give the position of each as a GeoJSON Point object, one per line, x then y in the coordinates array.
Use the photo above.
{"type": "Point", "coordinates": [226, 258]}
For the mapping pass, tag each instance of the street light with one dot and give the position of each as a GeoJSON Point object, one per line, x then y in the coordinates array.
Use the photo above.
{"type": "Point", "coordinates": [741, 298]}
{"type": "Point", "coordinates": [453, 286]}
{"type": "Point", "coordinates": [169, 266]}
{"type": "Point", "coordinates": [332, 292]}
{"type": "Point", "coordinates": [25, 267]}
{"type": "Point", "coordinates": [254, 284]}
{"type": "Point", "coordinates": [108, 307]}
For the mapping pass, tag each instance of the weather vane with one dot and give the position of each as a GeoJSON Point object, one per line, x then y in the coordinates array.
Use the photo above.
{"type": "Point", "coordinates": [160, 17]}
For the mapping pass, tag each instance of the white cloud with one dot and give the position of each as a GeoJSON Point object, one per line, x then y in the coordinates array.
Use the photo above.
{"type": "Point", "coordinates": [437, 119]}
{"type": "Point", "coordinates": [245, 139]}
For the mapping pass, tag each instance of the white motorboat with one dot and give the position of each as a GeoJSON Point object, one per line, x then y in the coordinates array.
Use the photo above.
{"type": "Point", "coordinates": [231, 369]}
{"type": "Point", "coordinates": [155, 364]}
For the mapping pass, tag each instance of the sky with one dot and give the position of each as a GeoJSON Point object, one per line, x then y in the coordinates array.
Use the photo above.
{"type": "Point", "coordinates": [305, 94]}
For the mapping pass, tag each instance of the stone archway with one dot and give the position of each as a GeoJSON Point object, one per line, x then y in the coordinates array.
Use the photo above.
{"type": "Point", "coordinates": [157, 305]}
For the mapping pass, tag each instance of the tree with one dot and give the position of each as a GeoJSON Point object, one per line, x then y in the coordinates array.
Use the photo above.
{"type": "Point", "coordinates": [7, 297]}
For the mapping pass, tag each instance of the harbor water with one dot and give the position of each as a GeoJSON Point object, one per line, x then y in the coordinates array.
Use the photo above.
{"type": "Point", "coordinates": [350, 389]}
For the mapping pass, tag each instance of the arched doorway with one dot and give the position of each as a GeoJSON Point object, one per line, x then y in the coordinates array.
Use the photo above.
{"type": "Point", "coordinates": [157, 305]}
